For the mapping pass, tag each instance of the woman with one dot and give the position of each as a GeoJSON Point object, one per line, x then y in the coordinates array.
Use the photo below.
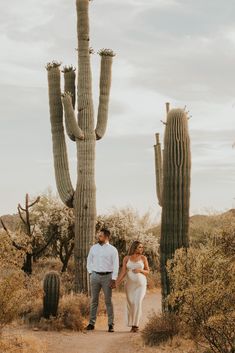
{"type": "Point", "coordinates": [135, 268]}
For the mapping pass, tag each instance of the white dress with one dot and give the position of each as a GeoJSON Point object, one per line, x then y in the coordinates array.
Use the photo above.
{"type": "Point", "coordinates": [135, 289]}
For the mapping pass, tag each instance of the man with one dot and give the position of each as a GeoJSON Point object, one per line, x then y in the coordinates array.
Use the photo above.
{"type": "Point", "coordinates": [103, 267]}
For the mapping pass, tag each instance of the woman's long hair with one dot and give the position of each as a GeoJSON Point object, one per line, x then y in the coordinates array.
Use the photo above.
{"type": "Point", "coordinates": [133, 247]}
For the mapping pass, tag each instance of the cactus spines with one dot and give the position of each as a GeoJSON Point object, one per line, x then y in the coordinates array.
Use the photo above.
{"type": "Point", "coordinates": [51, 287]}
{"type": "Point", "coordinates": [173, 190]}
{"type": "Point", "coordinates": [81, 128]}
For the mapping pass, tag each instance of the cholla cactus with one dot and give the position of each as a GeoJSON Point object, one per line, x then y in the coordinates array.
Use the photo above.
{"type": "Point", "coordinates": [173, 188]}
{"type": "Point", "coordinates": [27, 239]}
{"type": "Point", "coordinates": [82, 130]}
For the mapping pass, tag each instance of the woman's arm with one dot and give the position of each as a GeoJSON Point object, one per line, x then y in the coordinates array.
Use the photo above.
{"type": "Point", "coordinates": [123, 271]}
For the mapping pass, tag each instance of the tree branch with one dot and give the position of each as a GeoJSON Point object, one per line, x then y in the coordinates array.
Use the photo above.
{"type": "Point", "coordinates": [38, 252]}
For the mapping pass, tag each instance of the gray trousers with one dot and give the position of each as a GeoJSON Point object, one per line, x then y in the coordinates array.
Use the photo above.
{"type": "Point", "coordinates": [98, 282]}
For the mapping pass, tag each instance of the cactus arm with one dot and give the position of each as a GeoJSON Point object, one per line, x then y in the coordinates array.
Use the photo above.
{"type": "Point", "coordinates": [105, 85]}
{"type": "Point", "coordinates": [85, 102]}
{"type": "Point", "coordinates": [69, 82]}
{"type": "Point", "coordinates": [158, 169]}
{"type": "Point", "coordinates": [68, 100]}
{"type": "Point", "coordinates": [167, 107]}
{"type": "Point", "coordinates": [72, 128]}
{"type": "Point", "coordinates": [61, 166]}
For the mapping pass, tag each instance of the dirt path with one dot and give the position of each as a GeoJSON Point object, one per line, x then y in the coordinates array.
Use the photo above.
{"type": "Point", "coordinates": [99, 341]}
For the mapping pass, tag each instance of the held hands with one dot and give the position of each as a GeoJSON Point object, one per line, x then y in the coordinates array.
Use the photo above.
{"type": "Point", "coordinates": [113, 284]}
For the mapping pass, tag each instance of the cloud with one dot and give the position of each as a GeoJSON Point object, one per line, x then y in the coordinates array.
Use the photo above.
{"type": "Point", "coordinates": [177, 50]}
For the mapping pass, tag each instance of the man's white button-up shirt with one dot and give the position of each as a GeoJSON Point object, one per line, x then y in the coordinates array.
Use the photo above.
{"type": "Point", "coordinates": [103, 258]}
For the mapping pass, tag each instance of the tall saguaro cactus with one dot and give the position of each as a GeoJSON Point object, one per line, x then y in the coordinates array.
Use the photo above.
{"type": "Point", "coordinates": [173, 176]}
{"type": "Point", "coordinates": [80, 128]}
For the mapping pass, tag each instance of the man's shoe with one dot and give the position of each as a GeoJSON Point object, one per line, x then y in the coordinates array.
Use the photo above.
{"type": "Point", "coordinates": [111, 329]}
{"type": "Point", "coordinates": [90, 327]}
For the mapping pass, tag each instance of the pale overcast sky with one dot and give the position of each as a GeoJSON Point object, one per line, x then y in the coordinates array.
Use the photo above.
{"type": "Point", "coordinates": [182, 51]}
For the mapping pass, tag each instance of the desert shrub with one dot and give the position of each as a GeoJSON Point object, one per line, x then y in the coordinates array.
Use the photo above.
{"type": "Point", "coordinates": [34, 290]}
{"type": "Point", "coordinates": [203, 291]}
{"type": "Point", "coordinates": [204, 228]}
{"type": "Point", "coordinates": [9, 255]}
{"type": "Point", "coordinates": [72, 314]}
{"type": "Point", "coordinates": [51, 218]}
{"type": "Point", "coordinates": [153, 280]}
{"type": "Point", "coordinates": [46, 264]}
{"type": "Point", "coordinates": [12, 282]}
{"type": "Point", "coordinates": [160, 328]}
{"type": "Point", "coordinates": [12, 295]}
{"type": "Point", "coordinates": [127, 225]}
{"type": "Point", "coordinates": [18, 344]}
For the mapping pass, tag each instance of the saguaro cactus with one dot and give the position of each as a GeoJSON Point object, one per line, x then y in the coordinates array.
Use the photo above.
{"type": "Point", "coordinates": [83, 131]}
{"type": "Point", "coordinates": [51, 287]}
{"type": "Point", "coordinates": [173, 177]}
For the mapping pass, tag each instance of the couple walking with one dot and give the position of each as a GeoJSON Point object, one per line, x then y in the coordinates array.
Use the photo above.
{"type": "Point", "coordinates": [103, 267]}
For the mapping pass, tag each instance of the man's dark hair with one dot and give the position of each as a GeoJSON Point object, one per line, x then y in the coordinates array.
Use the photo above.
{"type": "Point", "coordinates": [106, 232]}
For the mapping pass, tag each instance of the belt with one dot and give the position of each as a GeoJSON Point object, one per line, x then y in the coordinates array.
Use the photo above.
{"type": "Point", "coordinates": [102, 273]}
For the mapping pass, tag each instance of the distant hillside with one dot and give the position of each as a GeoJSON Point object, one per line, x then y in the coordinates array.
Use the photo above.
{"type": "Point", "coordinates": [200, 225]}
{"type": "Point", "coordinates": [10, 221]}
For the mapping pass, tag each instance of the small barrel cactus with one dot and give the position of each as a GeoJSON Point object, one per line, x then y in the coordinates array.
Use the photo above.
{"type": "Point", "coordinates": [51, 286]}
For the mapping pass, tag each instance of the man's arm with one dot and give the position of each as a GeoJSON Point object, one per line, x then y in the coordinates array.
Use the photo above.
{"type": "Point", "coordinates": [89, 261]}
{"type": "Point", "coordinates": [123, 271]}
{"type": "Point", "coordinates": [115, 264]}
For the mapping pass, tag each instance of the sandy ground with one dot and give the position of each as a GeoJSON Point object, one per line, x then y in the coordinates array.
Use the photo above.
{"type": "Point", "coordinates": [99, 341]}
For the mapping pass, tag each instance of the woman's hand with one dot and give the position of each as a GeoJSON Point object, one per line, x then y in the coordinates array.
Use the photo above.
{"type": "Point", "coordinates": [137, 270]}
{"type": "Point", "coordinates": [113, 284]}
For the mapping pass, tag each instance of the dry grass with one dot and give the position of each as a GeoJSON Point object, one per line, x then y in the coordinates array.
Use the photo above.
{"type": "Point", "coordinates": [160, 328]}
{"type": "Point", "coordinates": [177, 344]}
{"type": "Point", "coordinates": [44, 265]}
{"type": "Point", "coordinates": [153, 280]}
{"type": "Point", "coordinates": [73, 314]}
{"type": "Point", "coordinates": [19, 344]}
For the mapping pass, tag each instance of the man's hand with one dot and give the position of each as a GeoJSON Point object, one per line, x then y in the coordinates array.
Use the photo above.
{"type": "Point", "coordinates": [112, 284]}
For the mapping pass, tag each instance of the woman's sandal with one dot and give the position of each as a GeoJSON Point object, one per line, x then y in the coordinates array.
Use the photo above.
{"type": "Point", "coordinates": [135, 329]}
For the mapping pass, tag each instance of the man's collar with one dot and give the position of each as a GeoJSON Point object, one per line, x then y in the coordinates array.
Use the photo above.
{"type": "Point", "coordinates": [107, 243]}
